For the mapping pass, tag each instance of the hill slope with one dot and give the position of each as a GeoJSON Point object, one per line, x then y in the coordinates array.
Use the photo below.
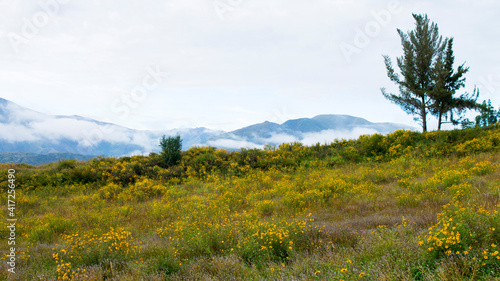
{"type": "Point", "coordinates": [406, 206]}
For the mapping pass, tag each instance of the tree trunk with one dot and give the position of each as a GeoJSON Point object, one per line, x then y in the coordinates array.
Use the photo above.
{"type": "Point", "coordinates": [424, 116]}
{"type": "Point", "coordinates": [439, 120]}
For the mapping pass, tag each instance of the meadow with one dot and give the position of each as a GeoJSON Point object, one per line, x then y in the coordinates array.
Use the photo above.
{"type": "Point", "coordinates": [404, 206]}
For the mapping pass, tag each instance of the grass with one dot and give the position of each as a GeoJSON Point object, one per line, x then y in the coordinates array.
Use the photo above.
{"type": "Point", "coordinates": [406, 206]}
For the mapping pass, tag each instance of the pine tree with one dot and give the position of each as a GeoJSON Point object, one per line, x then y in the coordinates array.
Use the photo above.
{"type": "Point", "coordinates": [447, 82]}
{"type": "Point", "coordinates": [422, 47]}
{"type": "Point", "coordinates": [488, 116]}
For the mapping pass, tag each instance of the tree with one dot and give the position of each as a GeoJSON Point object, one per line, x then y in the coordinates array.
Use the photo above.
{"type": "Point", "coordinates": [488, 116]}
{"type": "Point", "coordinates": [422, 47]}
{"type": "Point", "coordinates": [170, 151]}
{"type": "Point", "coordinates": [447, 82]}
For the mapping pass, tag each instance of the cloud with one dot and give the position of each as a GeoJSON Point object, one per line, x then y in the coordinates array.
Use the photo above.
{"type": "Point", "coordinates": [286, 49]}
{"type": "Point", "coordinates": [279, 139]}
{"type": "Point", "coordinates": [233, 144]}
{"type": "Point", "coordinates": [328, 136]}
{"type": "Point", "coordinates": [322, 137]}
{"type": "Point", "coordinates": [14, 133]}
{"type": "Point", "coordinates": [23, 125]}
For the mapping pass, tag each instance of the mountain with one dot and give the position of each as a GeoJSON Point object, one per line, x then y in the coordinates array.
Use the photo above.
{"type": "Point", "coordinates": [322, 128]}
{"type": "Point", "coordinates": [27, 131]}
{"type": "Point", "coordinates": [38, 159]}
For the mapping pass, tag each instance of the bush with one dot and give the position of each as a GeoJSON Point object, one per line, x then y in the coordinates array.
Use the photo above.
{"type": "Point", "coordinates": [464, 231]}
{"type": "Point", "coordinates": [170, 151]}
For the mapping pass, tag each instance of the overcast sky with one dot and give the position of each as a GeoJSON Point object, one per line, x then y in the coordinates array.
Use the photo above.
{"type": "Point", "coordinates": [226, 64]}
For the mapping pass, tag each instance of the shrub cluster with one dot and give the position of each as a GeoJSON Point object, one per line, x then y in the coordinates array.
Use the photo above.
{"type": "Point", "coordinates": [201, 161]}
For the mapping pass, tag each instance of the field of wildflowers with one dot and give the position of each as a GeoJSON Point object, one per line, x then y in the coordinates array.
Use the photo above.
{"type": "Point", "coordinates": [405, 206]}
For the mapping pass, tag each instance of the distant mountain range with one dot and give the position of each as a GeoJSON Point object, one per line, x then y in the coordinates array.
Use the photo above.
{"type": "Point", "coordinates": [25, 130]}
{"type": "Point", "coordinates": [30, 134]}
{"type": "Point", "coordinates": [38, 159]}
{"type": "Point", "coordinates": [322, 128]}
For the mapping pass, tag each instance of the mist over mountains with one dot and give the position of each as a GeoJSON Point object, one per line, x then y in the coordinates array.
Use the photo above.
{"type": "Point", "coordinates": [25, 130]}
{"type": "Point", "coordinates": [28, 131]}
{"type": "Point", "coordinates": [309, 131]}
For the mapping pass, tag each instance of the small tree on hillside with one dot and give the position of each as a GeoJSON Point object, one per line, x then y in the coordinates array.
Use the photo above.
{"type": "Point", "coordinates": [170, 151]}
{"type": "Point", "coordinates": [488, 115]}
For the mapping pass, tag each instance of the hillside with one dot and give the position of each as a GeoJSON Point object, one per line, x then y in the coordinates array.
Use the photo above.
{"type": "Point", "coordinates": [402, 206]}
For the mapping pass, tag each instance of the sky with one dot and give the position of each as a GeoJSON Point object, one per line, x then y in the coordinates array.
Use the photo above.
{"type": "Point", "coordinates": [226, 64]}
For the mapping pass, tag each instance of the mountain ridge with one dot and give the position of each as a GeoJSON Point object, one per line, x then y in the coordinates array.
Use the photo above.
{"type": "Point", "coordinates": [332, 125]}
{"type": "Point", "coordinates": [28, 131]}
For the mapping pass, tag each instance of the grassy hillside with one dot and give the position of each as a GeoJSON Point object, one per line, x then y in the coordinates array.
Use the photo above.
{"type": "Point", "coordinates": [406, 206]}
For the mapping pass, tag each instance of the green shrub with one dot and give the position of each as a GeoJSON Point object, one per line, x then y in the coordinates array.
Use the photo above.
{"type": "Point", "coordinates": [170, 151]}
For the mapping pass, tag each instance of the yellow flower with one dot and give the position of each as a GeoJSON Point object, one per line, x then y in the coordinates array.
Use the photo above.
{"type": "Point", "coordinates": [317, 272]}
{"type": "Point", "coordinates": [343, 270]}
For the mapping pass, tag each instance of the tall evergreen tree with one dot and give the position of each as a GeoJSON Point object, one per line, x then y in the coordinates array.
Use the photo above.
{"type": "Point", "coordinates": [422, 47]}
{"type": "Point", "coordinates": [446, 83]}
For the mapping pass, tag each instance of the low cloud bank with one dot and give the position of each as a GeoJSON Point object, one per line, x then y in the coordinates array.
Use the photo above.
{"type": "Point", "coordinates": [328, 136]}
{"type": "Point", "coordinates": [322, 137]}
{"type": "Point", "coordinates": [24, 125]}
{"type": "Point", "coordinates": [233, 144]}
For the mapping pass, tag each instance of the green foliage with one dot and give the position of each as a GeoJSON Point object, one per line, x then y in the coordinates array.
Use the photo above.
{"type": "Point", "coordinates": [170, 151]}
{"type": "Point", "coordinates": [488, 115]}
{"type": "Point", "coordinates": [464, 231]}
{"type": "Point", "coordinates": [163, 262]}
{"type": "Point", "coordinates": [294, 212]}
{"type": "Point", "coordinates": [447, 82]}
{"type": "Point", "coordinates": [421, 47]}
{"type": "Point", "coordinates": [109, 250]}
{"type": "Point", "coordinates": [49, 228]}
{"type": "Point", "coordinates": [429, 82]}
